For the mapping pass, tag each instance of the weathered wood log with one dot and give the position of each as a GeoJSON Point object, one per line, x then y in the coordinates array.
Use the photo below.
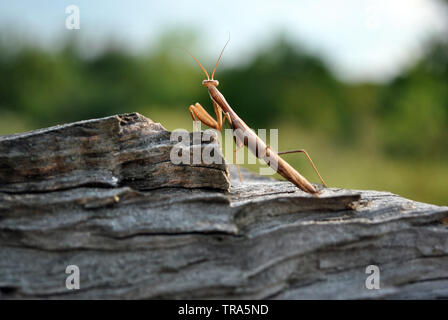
{"type": "Point", "coordinates": [186, 236]}
{"type": "Point", "coordinates": [123, 150]}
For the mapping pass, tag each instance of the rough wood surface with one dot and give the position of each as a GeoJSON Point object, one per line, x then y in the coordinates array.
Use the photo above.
{"type": "Point", "coordinates": [261, 239]}
{"type": "Point", "coordinates": [122, 150]}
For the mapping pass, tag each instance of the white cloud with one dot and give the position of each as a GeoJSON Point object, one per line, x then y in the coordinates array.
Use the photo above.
{"type": "Point", "coordinates": [362, 39]}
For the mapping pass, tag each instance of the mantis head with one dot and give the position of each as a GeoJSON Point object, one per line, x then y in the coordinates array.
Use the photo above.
{"type": "Point", "coordinates": [210, 82]}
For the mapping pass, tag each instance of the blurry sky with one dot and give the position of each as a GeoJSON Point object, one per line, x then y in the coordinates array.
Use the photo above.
{"type": "Point", "coordinates": [361, 39]}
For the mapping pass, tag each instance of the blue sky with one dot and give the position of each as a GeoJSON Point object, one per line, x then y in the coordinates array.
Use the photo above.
{"type": "Point", "coordinates": [360, 39]}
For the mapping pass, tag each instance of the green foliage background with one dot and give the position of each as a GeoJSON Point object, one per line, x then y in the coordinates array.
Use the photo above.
{"type": "Point", "coordinates": [391, 136]}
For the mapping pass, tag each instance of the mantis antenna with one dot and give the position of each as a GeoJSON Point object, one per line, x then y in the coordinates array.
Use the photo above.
{"type": "Point", "coordinates": [217, 62]}
{"type": "Point", "coordinates": [203, 69]}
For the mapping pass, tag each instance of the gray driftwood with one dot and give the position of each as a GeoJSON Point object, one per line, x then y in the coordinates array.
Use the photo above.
{"type": "Point", "coordinates": [101, 195]}
{"type": "Point", "coordinates": [123, 150]}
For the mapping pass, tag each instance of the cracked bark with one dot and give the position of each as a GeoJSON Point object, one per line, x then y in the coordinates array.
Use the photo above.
{"type": "Point", "coordinates": [102, 195]}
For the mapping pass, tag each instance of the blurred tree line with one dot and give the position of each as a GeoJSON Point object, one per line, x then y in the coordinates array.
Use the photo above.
{"type": "Point", "coordinates": [406, 117]}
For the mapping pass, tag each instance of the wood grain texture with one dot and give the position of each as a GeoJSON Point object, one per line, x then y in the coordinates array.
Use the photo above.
{"type": "Point", "coordinates": [262, 238]}
{"type": "Point", "coordinates": [122, 150]}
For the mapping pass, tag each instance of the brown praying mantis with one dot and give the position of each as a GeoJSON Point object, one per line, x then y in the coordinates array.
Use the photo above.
{"type": "Point", "coordinates": [244, 136]}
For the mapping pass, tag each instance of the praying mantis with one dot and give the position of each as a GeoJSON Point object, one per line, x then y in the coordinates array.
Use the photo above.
{"type": "Point", "coordinates": [244, 136]}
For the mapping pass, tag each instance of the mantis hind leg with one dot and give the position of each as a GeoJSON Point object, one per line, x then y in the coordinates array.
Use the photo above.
{"type": "Point", "coordinates": [309, 159]}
